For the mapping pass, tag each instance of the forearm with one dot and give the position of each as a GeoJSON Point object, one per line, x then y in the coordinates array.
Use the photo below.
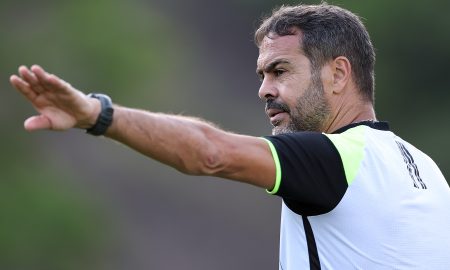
{"type": "Point", "coordinates": [188, 144]}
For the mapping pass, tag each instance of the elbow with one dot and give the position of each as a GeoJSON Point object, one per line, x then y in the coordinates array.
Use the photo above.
{"type": "Point", "coordinates": [213, 163]}
{"type": "Point", "coordinates": [207, 158]}
{"type": "Point", "coordinates": [208, 163]}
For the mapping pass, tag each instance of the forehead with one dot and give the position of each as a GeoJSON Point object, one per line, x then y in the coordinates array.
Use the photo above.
{"type": "Point", "coordinates": [274, 46]}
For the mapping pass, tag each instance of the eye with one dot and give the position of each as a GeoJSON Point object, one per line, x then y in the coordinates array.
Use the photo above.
{"type": "Point", "coordinates": [278, 72]}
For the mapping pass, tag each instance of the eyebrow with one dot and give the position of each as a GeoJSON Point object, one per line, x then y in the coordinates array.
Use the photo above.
{"type": "Point", "coordinates": [271, 66]}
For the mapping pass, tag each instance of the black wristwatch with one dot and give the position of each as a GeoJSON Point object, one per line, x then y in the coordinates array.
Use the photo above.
{"type": "Point", "coordinates": [105, 117]}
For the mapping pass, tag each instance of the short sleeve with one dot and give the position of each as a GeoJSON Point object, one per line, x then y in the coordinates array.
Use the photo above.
{"type": "Point", "coordinates": [311, 177]}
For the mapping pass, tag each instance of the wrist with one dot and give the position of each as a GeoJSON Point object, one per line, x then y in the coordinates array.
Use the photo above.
{"type": "Point", "coordinates": [102, 115]}
{"type": "Point", "coordinates": [96, 108]}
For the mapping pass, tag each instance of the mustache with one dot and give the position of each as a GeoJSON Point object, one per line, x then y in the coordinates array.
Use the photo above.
{"type": "Point", "coordinates": [272, 104]}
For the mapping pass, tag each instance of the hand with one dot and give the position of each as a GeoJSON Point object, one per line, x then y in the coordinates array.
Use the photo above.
{"type": "Point", "coordinates": [60, 106]}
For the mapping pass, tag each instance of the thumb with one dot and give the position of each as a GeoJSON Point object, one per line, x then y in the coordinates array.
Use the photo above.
{"type": "Point", "coordinates": [37, 122]}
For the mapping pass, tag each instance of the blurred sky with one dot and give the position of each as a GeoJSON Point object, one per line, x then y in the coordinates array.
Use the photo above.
{"type": "Point", "coordinates": [97, 205]}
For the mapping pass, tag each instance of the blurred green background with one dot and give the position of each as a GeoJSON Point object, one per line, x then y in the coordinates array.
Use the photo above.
{"type": "Point", "coordinates": [71, 201]}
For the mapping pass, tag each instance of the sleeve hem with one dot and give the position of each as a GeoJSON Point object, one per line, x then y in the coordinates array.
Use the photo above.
{"type": "Point", "coordinates": [276, 187]}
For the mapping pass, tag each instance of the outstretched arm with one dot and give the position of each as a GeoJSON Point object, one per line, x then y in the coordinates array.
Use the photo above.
{"type": "Point", "coordinates": [190, 145]}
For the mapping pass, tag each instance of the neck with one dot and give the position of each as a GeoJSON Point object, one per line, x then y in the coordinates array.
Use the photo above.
{"type": "Point", "coordinates": [350, 114]}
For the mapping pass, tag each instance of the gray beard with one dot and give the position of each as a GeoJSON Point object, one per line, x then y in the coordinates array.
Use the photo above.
{"type": "Point", "coordinates": [311, 112]}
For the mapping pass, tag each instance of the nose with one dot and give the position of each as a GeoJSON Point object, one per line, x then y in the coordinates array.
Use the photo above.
{"type": "Point", "coordinates": [267, 90]}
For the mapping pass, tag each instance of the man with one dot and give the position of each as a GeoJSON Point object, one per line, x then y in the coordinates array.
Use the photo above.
{"type": "Point", "coordinates": [355, 195]}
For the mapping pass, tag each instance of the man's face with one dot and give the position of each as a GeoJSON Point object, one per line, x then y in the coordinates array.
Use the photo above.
{"type": "Point", "coordinates": [294, 94]}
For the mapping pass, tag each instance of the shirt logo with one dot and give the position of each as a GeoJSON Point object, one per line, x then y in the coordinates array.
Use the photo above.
{"type": "Point", "coordinates": [411, 166]}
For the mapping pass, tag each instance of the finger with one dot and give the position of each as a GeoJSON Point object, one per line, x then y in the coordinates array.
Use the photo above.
{"type": "Point", "coordinates": [23, 87]}
{"type": "Point", "coordinates": [37, 122]}
{"type": "Point", "coordinates": [50, 81]}
{"type": "Point", "coordinates": [31, 79]}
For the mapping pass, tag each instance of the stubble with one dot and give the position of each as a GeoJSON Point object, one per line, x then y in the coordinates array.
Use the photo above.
{"type": "Point", "coordinates": [311, 111]}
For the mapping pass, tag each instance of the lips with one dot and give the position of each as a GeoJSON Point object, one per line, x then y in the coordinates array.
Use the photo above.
{"type": "Point", "coordinates": [276, 116]}
{"type": "Point", "coordinates": [276, 111]}
{"type": "Point", "coordinates": [272, 112]}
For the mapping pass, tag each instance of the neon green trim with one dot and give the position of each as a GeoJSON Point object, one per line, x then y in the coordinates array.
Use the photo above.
{"type": "Point", "coordinates": [277, 168]}
{"type": "Point", "coordinates": [350, 146]}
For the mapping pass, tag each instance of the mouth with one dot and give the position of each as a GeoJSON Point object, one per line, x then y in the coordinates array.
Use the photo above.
{"type": "Point", "coordinates": [276, 111]}
{"type": "Point", "coordinates": [276, 116]}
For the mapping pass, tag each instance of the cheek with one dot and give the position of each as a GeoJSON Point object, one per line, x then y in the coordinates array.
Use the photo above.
{"type": "Point", "coordinates": [291, 91]}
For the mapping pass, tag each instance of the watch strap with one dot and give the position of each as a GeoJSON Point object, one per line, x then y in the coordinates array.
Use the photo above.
{"type": "Point", "coordinates": [105, 117]}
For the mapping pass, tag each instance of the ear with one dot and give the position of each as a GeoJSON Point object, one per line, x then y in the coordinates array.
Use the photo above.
{"type": "Point", "coordinates": [342, 72]}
